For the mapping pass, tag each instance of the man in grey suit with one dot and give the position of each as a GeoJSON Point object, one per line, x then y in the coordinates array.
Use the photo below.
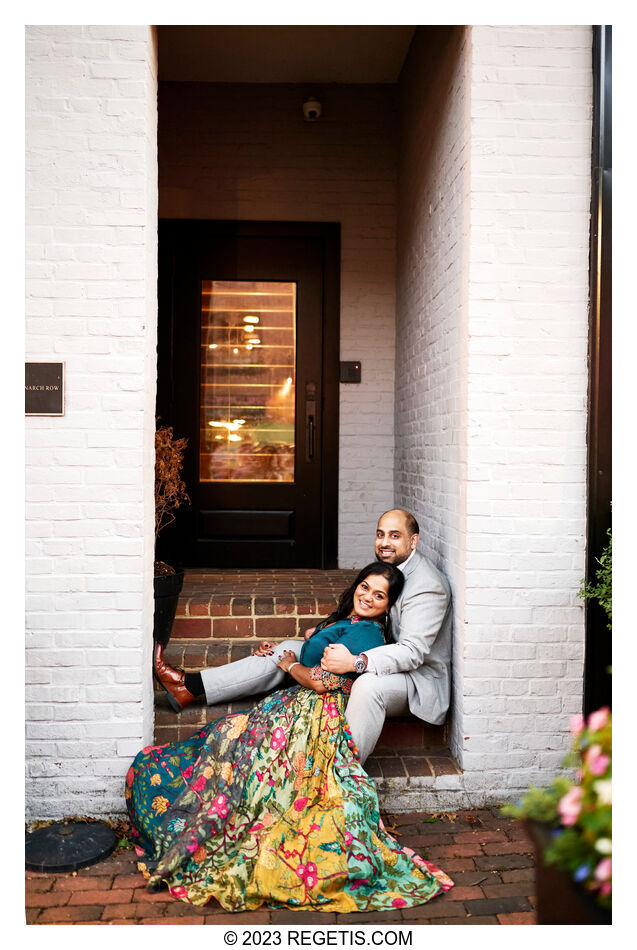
{"type": "Point", "coordinates": [411, 674]}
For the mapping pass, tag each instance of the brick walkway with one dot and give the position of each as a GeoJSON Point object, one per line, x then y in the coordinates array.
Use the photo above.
{"type": "Point", "coordinates": [489, 858]}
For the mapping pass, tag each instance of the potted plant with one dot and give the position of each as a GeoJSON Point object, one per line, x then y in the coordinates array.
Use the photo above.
{"type": "Point", "coordinates": [170, 494]}
{"type": "Point", "coordinates": [570, 821]}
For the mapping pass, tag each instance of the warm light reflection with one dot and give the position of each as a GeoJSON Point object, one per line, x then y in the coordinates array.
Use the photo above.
{"type": "Point", "coordinates": [248, 346]}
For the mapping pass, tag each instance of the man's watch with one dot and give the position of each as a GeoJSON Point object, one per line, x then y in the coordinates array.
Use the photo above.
{"type": "Point", "coordinates": [360, 664]}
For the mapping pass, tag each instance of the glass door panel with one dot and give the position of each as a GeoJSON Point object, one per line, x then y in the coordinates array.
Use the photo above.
{"type": "Point", "coordinates": [248, 381]}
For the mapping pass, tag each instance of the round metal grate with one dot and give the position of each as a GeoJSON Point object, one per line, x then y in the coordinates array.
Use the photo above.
{"type": "Point", "coordinates": [68, 845]}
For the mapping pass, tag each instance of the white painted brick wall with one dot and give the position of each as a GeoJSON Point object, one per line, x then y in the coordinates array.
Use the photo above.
{"type": "Point", "coordinates": [91, 303]}
{"type": "Point", "coordinates": [237, 152]}
{"type": "Point", "coordinates": [433, 230]}
{"type": "Point", "coordinates": [494, 464]}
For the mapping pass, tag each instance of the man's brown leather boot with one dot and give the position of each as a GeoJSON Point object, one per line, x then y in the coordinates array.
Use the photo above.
{"type": "Point", "coordinates": [172, 680]}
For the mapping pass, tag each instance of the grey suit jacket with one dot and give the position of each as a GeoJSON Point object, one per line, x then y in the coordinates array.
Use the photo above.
{"type": "Point", "coordinates": [421, 621]}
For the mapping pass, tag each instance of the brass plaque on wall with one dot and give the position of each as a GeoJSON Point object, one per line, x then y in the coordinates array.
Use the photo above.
{"type": "Point", "coordinates": [44, 389]}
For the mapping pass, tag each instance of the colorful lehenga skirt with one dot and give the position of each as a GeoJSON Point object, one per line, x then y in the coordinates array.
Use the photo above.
{"type": "Point", "coordinates": [271, 807]}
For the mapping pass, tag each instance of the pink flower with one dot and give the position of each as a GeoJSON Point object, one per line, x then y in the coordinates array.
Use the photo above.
{"type": "Point", "coordinates": [598, 719]}
{"type": "Point", "coordinates": [348, 838]}
{"type": "Point", "coordinates": [596, 761]}
{"type": "Point", "coordinates": [219, 807]}
{"type": "Point", "coordinates": [604, 870]}
{"type": "Point", "coordinates": [577, 724]}
{"type": "Point", "coordinates": [570, 805]}
{"type": "Point", "coordinates": [308, 873]}
{"type": "Point", "coordinates": [179, 892]}
{"type": "Point", "coordinates": [332, 710]}
{"type": "Point", "coordinates": [199, 784]}
{"type": "Point", "coordinates": [278, 739]}
{"type": "Point", "coordinates": [399, 902]}
{"type": "Point", "coordinates": [129, 776]}
{"type": "Point", "coordinates": [300, 804]}
{"type": "Point", "coordinates": [187, 772]}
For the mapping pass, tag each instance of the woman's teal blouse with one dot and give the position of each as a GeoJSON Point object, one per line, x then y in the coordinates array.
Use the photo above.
{"type": "Point", "coordinates": [354, 633]}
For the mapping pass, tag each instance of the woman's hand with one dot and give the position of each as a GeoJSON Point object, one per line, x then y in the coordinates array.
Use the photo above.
{"type": "Point", "coordinates": [265, 648]}
{"type": "Point", "coordinates": [286, 661]}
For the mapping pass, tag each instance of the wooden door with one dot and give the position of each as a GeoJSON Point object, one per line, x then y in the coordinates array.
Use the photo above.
{"type": "Point", "coordinates": [248, 372]}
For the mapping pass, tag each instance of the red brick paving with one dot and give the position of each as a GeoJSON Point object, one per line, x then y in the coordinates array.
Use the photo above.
{"type": "Point", "coordinates": [489, 888]}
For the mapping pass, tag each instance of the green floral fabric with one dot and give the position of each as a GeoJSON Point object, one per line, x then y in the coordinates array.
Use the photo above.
{"type": "Point", "coordinates": [272, 807]}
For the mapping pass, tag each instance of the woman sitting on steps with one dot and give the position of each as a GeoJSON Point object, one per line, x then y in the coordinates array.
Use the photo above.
{"type": "Point", "coordinates": [273, 806]}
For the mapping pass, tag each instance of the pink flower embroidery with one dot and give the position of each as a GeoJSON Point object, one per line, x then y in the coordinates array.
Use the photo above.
{"type": "Point", "coordinates": [577, 724]}
{"type": "Point", "coordinates": [300, 804]}
{"type": "Point", "coordinates": [570, 805]}
{"type": "Point", "coordinates": [332, 710]}
{"type": "Point", "coordinates": [199, 784]}
{"type": "Point", "coordinates": [129, 776]}
{"type": "Point", "coordinates": [179, 892]}
{"type": "Point", "coordinates": [219, 807]}
{"type": "Point", "coordinates": [598, 719]}
{"type": "Point", "coordinates": [278, 739]}
{"type": "Point", "coordinates": [348, 838]}
{"type": "Point", "coordinates": [399, 902]}
{"type": "Point", "coordinates": [308, 874]}
{"type": "Point", "coordinates": [187, 772]}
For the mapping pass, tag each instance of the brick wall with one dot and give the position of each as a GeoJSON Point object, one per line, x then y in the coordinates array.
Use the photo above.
{"type": "Point", "coordinates": [496, 454]}
{"type": "Point", "coordinates": [91, 302]}
{"type": "Point", "coordinates": [242, 152]}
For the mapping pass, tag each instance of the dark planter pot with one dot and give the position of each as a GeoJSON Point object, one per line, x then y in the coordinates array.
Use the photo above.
{"type": "Point", "coordinates": [167, 591]}
{"type": "Point", "coordinates": [559, 899]}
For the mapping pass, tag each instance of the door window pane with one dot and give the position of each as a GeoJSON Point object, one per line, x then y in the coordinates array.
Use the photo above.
{"type": "Point", "coordinates": [248, 381]}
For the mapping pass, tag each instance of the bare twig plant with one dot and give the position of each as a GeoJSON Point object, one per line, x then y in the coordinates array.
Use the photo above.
{"type": "Point", "coordinates": [170, 488]}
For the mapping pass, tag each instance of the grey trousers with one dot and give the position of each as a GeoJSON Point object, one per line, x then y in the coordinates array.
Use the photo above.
{"type": "Point", "coordinates": [371, 700]}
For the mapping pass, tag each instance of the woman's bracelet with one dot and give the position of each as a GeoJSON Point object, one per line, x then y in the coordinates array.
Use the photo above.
{"type": "Point", "coordinates": [296, 663]}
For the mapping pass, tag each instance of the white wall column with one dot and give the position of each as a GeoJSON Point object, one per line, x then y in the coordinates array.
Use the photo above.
{"type": "Point", "coordinates": [91, 303]}
{"type": "Point", "coordinates": [491, 400]}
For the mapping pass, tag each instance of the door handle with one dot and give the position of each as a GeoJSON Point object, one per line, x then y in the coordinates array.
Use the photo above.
{"type": "Point", "coordinates": [310, 438]}
{"type": "Point", "coordinates": [310, 420]}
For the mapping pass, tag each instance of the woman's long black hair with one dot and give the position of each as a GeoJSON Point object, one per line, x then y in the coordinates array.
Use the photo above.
{"type": "Point", "coordinates": [345, 605]}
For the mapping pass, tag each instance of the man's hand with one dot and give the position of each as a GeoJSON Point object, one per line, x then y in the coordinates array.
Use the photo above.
{"type": "Point", "coordinates": [265, 648]}
{"type": "Point", "coordinates": [308, 633]}
{"type": "Point", "coordinates": [337, 659]}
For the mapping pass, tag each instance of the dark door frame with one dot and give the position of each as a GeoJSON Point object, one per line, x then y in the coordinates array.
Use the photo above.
{"type": "Point", "coordinates": [329, 234]}
{"type": "Point", "coordinates": [597, 680]}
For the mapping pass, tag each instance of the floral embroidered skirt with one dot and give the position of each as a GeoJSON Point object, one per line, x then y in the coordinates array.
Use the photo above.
{"type": "Point", "coordinates": [271, 807]}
